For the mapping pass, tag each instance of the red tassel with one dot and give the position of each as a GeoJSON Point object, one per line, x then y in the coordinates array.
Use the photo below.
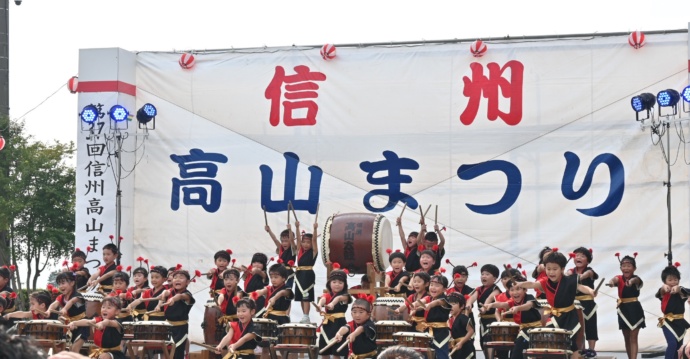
{"type": "Point", "coordinates": [152, 267]}
{"type": "Point", "coordinates": [524, 273]}
{"type": "Point", "coordinates": [197, 273]}
{"type": "Point", "coordinates": [13, 295]}
{"type": "Point", "coordinates": [467, 297]}
{"type": "Point", "coordinates": [456, 275]}
{"type": "Point", "coordinates": [677, 264]}
{"type": "Point", "coordinates": [571, 255]}
{"type": "Point", "coordinates": [474, 264]}
{"type": "Point", "coordinates": [590, 250]}
{"type": "Point", "coordinates": [519, 265]}
{"type": "Point", "coordinates": [13, 268]}
{"type": "Point", "coordinates": [443, 270]}
{"type": "Point", "coordinates": [65, 263]}
{"type": "Point", "coordinates": [346, 271]}
{"type": "Point", "coordinates": [194, 279]}
{"type": "Point", "coordinates": [146, 261]}
{"type": "Point", "coordinates": [235, 300]}
{"type": "Point", "coordinates": [508, 266]}
{"type": "Point", "coordinates": [336, 265]}
{"type": "Point", "coordinates": [635, 254]}
{"type": "Point", "coordinates": [389, 251]}
{"type": "Point", "coordinates": [397, 251]}
{"type": "Point", "coordinates": [233, 261]}
{"type": "Point", "coordinates": [447, 261]}
{"type": "Point", "coordinates": [55, 290]}
{"type": "Point", "coordinates": [370, 299]}
{"type": "Point", "coordinates": [118, 268]}
{"type": "Point", "coordinates": [140, 259]}
{"type": "Point", "coordinates": [122, 238]}
{"type": "Point", "coordinates": [291, 263]}
{"type": "Point", "coordinates": [435, 248]}
{"type": "Point", "coordinates": [111, 237]}
{"type": "Point", "coordinates": [617, 254]}
{"type": "Point", "coordinates": [420, 248]}
{"type": "Point", "coordinates": [280, 260]}
{"type": "Point", "coordinates": [178, 266]}
{"type": "Point", "coordinates": [88, 249]}
{"type": "Point", "coordinates": [49, 287]}
{"type": "Point", "coordinates": [554, 249]}
{"type": "Point", "coordinates": [254, 295]}
{"type": "Point", "coordinates": [129, 268]}
{"type": "Point", "coordinates": [229, 251]}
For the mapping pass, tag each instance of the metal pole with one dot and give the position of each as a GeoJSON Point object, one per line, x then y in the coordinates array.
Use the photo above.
{"type": "Point", "coordinates": [118, 193]}
{"type": "Point", "coordinates": [5, 58]}
{"type": "Point", "coordinates": [669, 256]}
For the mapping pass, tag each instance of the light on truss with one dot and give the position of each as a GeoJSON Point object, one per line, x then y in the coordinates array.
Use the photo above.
{"type": "Point", "coordinates": [642, 102]}
{"type": "Point", "coordinates": [146, 113]}
{"type": "Point", "coordinates": [89, 114]}
{"type": "Point", "coordinates": [118, 113]}
{"type": "Point", "coordinates": [667, 98]}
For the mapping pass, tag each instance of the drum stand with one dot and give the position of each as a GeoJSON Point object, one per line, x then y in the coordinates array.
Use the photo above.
{"type": "Point", "coordinates": [492, 347]}
{"type": "Point", "coordinates": [285, 350]}
{"type": "Point", "coordinates": [141, 346]}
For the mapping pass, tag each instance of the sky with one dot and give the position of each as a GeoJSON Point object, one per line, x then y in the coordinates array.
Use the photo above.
{"type": "Point", "coordinates": [45, 36]}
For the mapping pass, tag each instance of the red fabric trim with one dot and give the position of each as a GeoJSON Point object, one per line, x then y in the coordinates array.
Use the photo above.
{"type": "Point", "coordinates": [107, 86]}
{"type": "Point", "coordinates": [664, 302]}
{"type": "Point", "coordinates": [98, 334]}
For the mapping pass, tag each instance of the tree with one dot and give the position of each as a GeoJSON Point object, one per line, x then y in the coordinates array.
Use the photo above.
{"type": "Point", "coordinates": [37, 206]}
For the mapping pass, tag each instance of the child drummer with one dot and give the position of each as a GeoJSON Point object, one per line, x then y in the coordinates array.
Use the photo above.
{"type": "Point", "coordinates": [489, 289]}
{"type": "Point", "coordinates": [108, 331]}
{"type": "Point", "coordinates": [229, 295]}
{"type": "Point", "coordinates": [39, 302]}
{"type": "Point", "coordinates": [461, 328]}
{"type": "Point", "coordinates": [72, 307]}
{"type": "Point", "coordinates": [630, 313]}
{"type": "Point", "coordinates": [362, 337]}
{"type": "Point", "coordinates": [278, 295]}
{"type": "Point", "coordinates": [178, 301]}
{"type": "Point", "coordinates": [560, 292]}
{"type": "Point", "coordinates": [397, 278]}
{"type": "Point", "coordinates": [222, 260]}
{"type": "Point", "coordinates": [104, 276]}
{"type": "Point", "coordinates": [305, 278]}
{"type": "Point", "coordinates": [335, 303]}
{"type": "Point", "coordinates": [242, 337]}
{"type": "Point", "coordinates": [158, 277]}
{"type": "Point", "coordinates": [436, 315]}
{"type": "Point", "coordinates": [410, 245]}
{"type": "Point", "coordinates": [583, 258]}
{"type": "Point", "coordinates": [672, 297]}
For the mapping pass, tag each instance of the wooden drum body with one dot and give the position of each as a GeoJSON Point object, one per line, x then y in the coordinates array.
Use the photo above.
{"type": "Point", "coordinates": [549, 338]}
{"type": "Point", "coordinates": [128, 328]}
{"type": "Point", "coordinates": [266, 328]}
{"type": "Point", "coordinates": [355, 239]}
{"type": "Point", "coordinates": [157, 330]}
{"type": "Point", "coordinates": [296, 334]}
{"type": "Point", "coordinates": [386, 328]}
{"type": "Point", "coordinates": [213, 332]}
{"type": "Point", "coordinates": [503, 332]}
{"type": "Point", "coordinates": [93, 304]}
{"type": "Point", "coordinates": [413, 339]}
{"type": "Point", "coordinates": [384, 309]}
{"type": "Point", "coordinates": [42, 330]}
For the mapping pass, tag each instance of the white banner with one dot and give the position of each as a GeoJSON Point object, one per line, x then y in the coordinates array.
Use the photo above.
{"type": "Point", "coordinates": [534, 144]}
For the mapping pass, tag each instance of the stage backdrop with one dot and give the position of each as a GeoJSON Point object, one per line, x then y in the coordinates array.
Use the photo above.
{"type": "Point", "coordinates": [534, 144]}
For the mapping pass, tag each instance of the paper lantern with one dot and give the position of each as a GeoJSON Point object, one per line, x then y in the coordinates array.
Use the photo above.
{"type": "Point", "coordinates": [2, 143]}
{"type": "Point", "coordinates": [478, 48]}
{"type": "Point", "coordinates": [73, 84]}
{"type": "Point", "coordinates": [636, 39]}
{"type": "Point", "coordinates": [187, 61]}
{"type": "Point", "coordinates": [328, 51]}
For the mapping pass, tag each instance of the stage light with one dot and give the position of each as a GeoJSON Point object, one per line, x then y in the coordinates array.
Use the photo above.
{"type": "Point", "coordinates": [686, 94]}
{"type": "Point", "coordinates": [643, 102]}
{"type": "Point", "coordinates": [667, 98]}
{"type": "Point", "coordinates": [146, 113]}
{"type": "Point", "coordinates": [89, 114]}
{"type": "Point", "coordinates": [118, 113]}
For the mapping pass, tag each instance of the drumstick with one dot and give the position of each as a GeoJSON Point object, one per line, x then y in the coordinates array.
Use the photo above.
{"type": "Point", "coordinates": [451, 352]}
{"type": "Point", "coordinates": [318, 309]}
{"type": "Point", "coordinates": [58, 325]}
{"type": "Point", "coordinates": [265, 216]}
{"type": "Point", "coordinates": [427, 210]}
{"type": "Point", "coordinates": [288, 213]}
{"type": "Point", "coordinates": [293, 211]}
{"type": "Point", "coordinates": [330, 344]}
{"type": "Point", "coordinates": [421, 213]}
{"type": "Point", "coordinates": [436, 216]}
{"type": "Point", "coordinates": [206, 346]}
{"type": "Point", "coordinates": [344, 345]}
{"type": "Point", "coordinates": [316, 219]}
{"type": "Point", "coordinates": [599, 286]}
{"type": "Point", "coordinates": [403, 211]}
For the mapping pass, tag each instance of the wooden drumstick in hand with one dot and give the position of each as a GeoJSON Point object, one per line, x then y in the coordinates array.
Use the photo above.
{"type": "Point", "coordinates": [265, 216]}
{"type": "Point", "coordinates": [347, 341]}
{"type": "Point", "coordinates": [403, 211]}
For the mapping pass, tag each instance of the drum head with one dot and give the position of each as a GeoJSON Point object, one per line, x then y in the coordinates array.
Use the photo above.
{"type": "Point", "coordinates": [503, 324]}
{"type": "Point", "coordinates": [365, 234]}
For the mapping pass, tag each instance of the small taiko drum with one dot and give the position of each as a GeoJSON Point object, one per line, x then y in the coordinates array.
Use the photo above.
{"type": "Point", "coordinates": [355, 239]}
{"type": "Point", "coordinates": [297, 334]}
{"type": "Point", "coordinates": [413, 339]}
{"type": "Point", "coordinates": [157, 331]}
{"type": "Point", "coordinates": [503, 332]}
{"type": "Point", "coordinates": [384, 309]}
{"type": "Point", "coordinates": [43, 330]}
{"type": "Point", "coordinates": [267, 329]}
{"type": "Point", "coordinates": [386, 328]}
{"type": "Point", "coordinates": [213, 331]}
{"type": "Point", "coordinates": [92, 300]}
{"type": "Point", "coordinates": [549, 338]}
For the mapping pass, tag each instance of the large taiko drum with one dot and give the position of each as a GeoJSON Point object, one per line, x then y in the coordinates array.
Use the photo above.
{"type": "Point", "coordinates": [213, 331]}
{"type": "Point", "coordinates": [92, 300]}
{"type": "Point", "coordinates": [355, 239]}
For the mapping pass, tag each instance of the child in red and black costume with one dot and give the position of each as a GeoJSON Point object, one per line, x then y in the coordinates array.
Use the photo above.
{"type": "Point", "coordinates": [508, 274]}
{"type": "Point", "coordinates": [229, 295]}
{"type": "Point", "coordinates": [158, 277]}
{"type": "Point", "coordinates": [461, 328]}
{"type": "Point", "coordinates": [538, 272]}
{"type": "Point", "coordinates": [672, 297]}
{"type": "Point", "coordinates": [305, 278]}
{"type": "Point", "coordinates": [120, 285]}
{"type": "Point", "coordinates": [243, 336]}
{"type": "Point", "coordinates": [362, 337]}
{"type": "Point", "coordinates": [278, 295]}
{"type": "Point", "coordinates": [104, 276]}
{"type": "Point", "coordinates": [6, 291]}
{"type": "Point", "coordinates": [255, 277]}
{"type": "Point", "coordinates": [178, 301]}
{"type": "Point", "coordinates": [420, 284]}
{"type": "Point", "coordinates": [397, 278]}
{"type": "Point", "coordinates": [434, 241]}
{"type": "Point", "coordinates": [222, 260]}
{"type": "Point", "coordinates": [630, 312]}
{"type": "Point", "coordinates": [436, 312]}
{"type": "Point", "coordinates": [427, 261]}
{"type": "Point", "coordinates": [410, 245]}
{"type": "Point", "coordinates": [560, 292]}
{"type": "Point", "coordinates": [140, 277]}
{"type": "Point", "coordinates": [39, 302]}
{"type": "Point", "coordinates": [582, 258]}
{"type": "Point", "coordinates": [78, 262]}
{"type": "Point", "coordinates": [523, 309]}
{"type": "Point", "coordinates": [72, 307]}
{"type": "Point", "coordinates": [108, 331]}
{"type": "Point", "coordinates": [285, 249]}
{"type": "Point", "coordinates": [335, 303]}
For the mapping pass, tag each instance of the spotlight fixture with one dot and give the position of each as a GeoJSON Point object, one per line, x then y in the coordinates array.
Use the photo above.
{"type": "Point", "coordinates": [89, 114]}
{"type": "Point", "coordinates": [668, 98]}
{"type": "Point", "coordinates": [642, 102]}
{"type": "Point", "coordinates": [686, 94]}
{"type": "Point", "coordinates": [118, 113]}
{"type": "Point", "coordinates": [146, 113]}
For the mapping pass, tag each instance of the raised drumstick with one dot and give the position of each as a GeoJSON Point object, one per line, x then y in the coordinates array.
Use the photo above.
{"type": "Point", "coordinates": [205, 346]}
{"type": "Point", "coordinates": [265, 216]}
{"type": "Point", "coordinates": [316, 219]}
{"type": "Point", "coordinates": [403, 211]}
{"type": "Point", "coordinates": [330, 344]}
{"type": "Point", "coordinates": [293, 211]}
{"type": "Point", "coordinates": [436, 216]}
{"type": "Point", "coordinates": [599, 286]}
{"type": "Point", "coordinates": [344, 345]}
{"type": "Point", "coordinates": [421, 213]}
{"type": "Point", "coordinates": [427, 210]}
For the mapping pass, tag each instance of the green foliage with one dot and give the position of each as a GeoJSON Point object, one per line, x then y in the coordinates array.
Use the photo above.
{"type": "Point", "coordinates": [37, 205]}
